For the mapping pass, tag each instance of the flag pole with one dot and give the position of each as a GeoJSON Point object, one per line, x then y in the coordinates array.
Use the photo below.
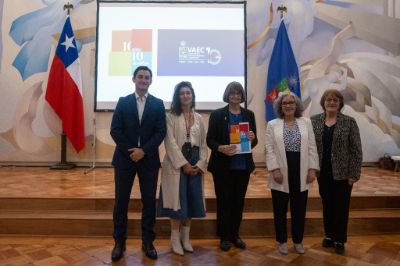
{"type": "Point", "coordinates": [282, 9]}
{"type": "Point", "coordinates": [93, 148]}
{"type": "Point", "coordinates": [68, 6]}
{"type": "Point", "coordinates": [63, 164]}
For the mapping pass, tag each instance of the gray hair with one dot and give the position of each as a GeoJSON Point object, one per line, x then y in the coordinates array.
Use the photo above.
{"type": "Point", "coordinates": [233, 87]}
{"type": "Point", "coordinates": [278, 105]}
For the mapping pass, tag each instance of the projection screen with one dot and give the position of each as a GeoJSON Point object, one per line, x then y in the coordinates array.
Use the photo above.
{"type": "Point", "coordinates": [200, 42]}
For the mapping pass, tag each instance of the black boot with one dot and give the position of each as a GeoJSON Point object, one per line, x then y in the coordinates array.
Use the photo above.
{"type": "Point", "coordinates": [327, 242]}
{"type": "Point", "coordinates": [149, 250]}
{"type": "Point", "coordinates": [118, 251]}
{"type": "Point", "coordinates": [339, 247]}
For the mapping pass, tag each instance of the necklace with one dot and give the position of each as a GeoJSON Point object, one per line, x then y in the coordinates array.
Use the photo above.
{"type": "Point", "coordinates": [188, 123]}
{"type": "Point", "coordinates": [330, 122]}
{"type": "Point", "coordinates": [290, 124]}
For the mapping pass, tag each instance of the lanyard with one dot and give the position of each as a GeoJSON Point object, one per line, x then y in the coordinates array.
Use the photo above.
{"type": "Point", "coordinates": [188, 125]}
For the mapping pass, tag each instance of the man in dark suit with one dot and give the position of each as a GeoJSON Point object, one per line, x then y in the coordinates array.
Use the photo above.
{"type": "Point", "coordinates": [138, 127]}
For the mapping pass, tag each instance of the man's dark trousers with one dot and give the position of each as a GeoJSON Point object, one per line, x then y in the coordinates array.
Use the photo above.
{"type": "Point", "coordinates": [123, 186]}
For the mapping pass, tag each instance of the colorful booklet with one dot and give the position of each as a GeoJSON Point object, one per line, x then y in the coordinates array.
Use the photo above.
{"type": "Point", "coordinates": [239, 136]}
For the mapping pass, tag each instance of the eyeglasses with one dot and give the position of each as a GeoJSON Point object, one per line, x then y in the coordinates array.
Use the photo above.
{"type": "Point", "coordinates": [288, 103]}
{"type": "Point", "coordinates": [235, 94]}
{"type": "Point", "coordinates": [335, 100]}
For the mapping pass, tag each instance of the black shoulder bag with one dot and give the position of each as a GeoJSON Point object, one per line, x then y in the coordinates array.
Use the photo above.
{"type": "Point", "coordinates": [187, 147]}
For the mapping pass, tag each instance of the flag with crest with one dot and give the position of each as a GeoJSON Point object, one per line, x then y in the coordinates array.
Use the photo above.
{"type": "Point", "coordinates": [283, 73]}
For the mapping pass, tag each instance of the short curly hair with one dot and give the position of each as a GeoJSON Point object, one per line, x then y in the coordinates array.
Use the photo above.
{"type": "Point", "coordinates": [278, 105]}
{"type": "Point", "coordinates": [332, 93]}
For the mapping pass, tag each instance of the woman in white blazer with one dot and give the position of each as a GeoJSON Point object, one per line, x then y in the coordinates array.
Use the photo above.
{"type": "Point", "coordinates": [292, 161]}
{"type": "Point", "coordinates": [181, 195]}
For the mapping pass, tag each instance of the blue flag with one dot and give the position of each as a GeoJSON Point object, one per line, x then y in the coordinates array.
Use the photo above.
{"type": "Point", "coordinates": [283, 74]}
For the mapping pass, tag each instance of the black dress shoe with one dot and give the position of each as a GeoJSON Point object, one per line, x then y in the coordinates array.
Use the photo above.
{"type": "Point", "coordinates": [225, 245]}
{"type": "Point", "coordinates": [339, 247]}
{"type": "Point", "coordinates": [327, 242]}
{"type": "Point", "coordinates": [118, 251]}
{"type": "Point", "coordinates": [239, 243]}
{"type": "Point", "coordinates": [149, 250]}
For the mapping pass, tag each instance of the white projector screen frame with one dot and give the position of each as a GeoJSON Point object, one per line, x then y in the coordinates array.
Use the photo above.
{"type": "Point", "coordinates": [201, 42]}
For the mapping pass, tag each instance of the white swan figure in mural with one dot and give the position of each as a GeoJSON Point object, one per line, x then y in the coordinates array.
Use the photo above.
{"type": "Point", "coordinates": [33, 32]}
{"type": "Point", "coordinates": [370, 83]}
{"type": "Point", "coordinates": [24, 136]}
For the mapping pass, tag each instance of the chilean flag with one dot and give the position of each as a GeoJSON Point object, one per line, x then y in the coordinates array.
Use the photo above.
{"type": "Point", "coordinates": [64, 87]}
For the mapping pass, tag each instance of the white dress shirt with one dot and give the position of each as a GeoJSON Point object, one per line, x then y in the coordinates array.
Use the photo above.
{"type": "Point", "coordinates": [140, 102]}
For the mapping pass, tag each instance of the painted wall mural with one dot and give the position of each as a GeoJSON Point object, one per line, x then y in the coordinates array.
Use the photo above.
{"type": "Point", "coordinates": [350, 45]}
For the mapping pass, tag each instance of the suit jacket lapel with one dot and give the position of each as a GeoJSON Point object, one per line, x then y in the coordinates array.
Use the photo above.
{"type": "Point", "coordinates": [146, 108]}
{"type": "Point", "coordinates": [279, 139]}
{"type": "Point", "coordinates": [225, 125]}
{"type": "Point", "coordinates": [336, 132]}
{"type": "Point", "coordinates": [134, 109]}
{"type": "Point", "coordinates": [319, 128]}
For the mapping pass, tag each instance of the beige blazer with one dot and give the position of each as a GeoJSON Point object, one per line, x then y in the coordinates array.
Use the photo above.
{"type": "Point", "coordinates": [276, 154]}
{"type": "Point", "coordinates": [174, 160]}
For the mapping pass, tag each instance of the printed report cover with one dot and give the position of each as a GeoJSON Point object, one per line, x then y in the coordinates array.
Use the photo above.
{"type": "Point", "coordinates": [239, 136]}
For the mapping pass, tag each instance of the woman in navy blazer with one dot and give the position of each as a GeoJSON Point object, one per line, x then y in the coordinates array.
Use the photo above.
{"type": "Point", "coordinates": [231, 172]}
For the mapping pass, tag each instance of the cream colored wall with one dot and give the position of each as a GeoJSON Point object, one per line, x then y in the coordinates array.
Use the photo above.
{"type": "Point", "coordinates": [41, 144]}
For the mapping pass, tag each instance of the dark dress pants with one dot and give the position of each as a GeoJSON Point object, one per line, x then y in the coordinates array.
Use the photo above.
{"type": "Point", "coordinates": [335, 195]}
{"type": "Point", "coordinates": [230, 190]}
{"type": "Point", "coordinates": [298, 203]}
{"type": "Point", "coordinates": [123, 186]}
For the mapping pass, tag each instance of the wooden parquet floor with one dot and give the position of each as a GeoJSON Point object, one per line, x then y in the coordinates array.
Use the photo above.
{"type": "Point", "coordinates": [39, 197]}
{"type": "Point", "coordinates": [40, 182]}
{"type": "Point", "coordinates": [364, 250]}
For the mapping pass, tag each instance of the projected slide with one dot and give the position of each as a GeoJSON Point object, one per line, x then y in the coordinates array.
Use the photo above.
{"type": "Point", "coordinates": [200, 53]}
{"type": "Point", "coordinates": [203, 43]}
{"type": "Point", "coordinates": [130, 49]}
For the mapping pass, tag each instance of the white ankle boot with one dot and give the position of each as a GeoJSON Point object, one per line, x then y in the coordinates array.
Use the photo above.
{"type": "Point", "coordinates": [283, 248]}
{"type": "Point", "coordinates": [185, 232]}
{"type": "Point", "coordinates": [176, 243]}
